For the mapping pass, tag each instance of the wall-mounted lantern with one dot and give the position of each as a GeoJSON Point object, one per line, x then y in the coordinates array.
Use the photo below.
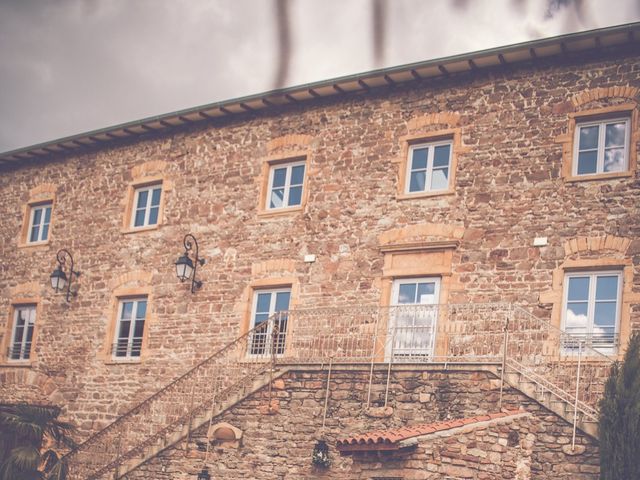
{"type": "Point", "coordinates": [204, 474]}
{"type": "Point", "coordinates": [59, 279]}
{"type": "Point", "coordinates": [185, 267]}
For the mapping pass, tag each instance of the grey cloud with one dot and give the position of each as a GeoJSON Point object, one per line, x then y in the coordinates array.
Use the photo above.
{"type": "Point", "coordinates": [68, 66]}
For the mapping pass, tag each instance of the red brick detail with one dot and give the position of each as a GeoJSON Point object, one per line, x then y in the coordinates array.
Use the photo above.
{"type": "Point", "coordinates": [604, 92]}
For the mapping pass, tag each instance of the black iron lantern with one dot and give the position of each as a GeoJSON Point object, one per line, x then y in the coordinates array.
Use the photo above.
{"type": "Point", "coordinates": [185, 267]}
{"type": "Point", "coordinates": [320, 457]}
{"type": "Point", "coordinates": [58, 278]}
{"type": "Point", "coordinates": [204, 474]}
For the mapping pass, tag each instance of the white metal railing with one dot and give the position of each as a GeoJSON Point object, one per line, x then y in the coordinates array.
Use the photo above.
{"type": "Point", "coordinates": [499, 333]}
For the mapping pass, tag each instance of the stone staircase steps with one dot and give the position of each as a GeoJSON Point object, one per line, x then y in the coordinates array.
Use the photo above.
{"type": "Point", "coordinates": [222, 405]}
{"type": "Point", "coordinates": [552, 402]}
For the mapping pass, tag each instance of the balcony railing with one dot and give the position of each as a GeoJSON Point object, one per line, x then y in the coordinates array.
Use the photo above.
{"type": "Point", "coordinates": [127, 348]}
{"type": "Point", "coordinates": [19, 352]}
{"type": "Point", "coordinates": [573, 368]}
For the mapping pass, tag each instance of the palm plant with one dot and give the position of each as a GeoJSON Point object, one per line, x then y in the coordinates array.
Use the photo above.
{"type": "Point", "coordinates": [30, 436]}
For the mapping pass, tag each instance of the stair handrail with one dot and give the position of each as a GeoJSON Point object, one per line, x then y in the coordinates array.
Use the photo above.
{"type": "Point", "coordinates": [261, 328]}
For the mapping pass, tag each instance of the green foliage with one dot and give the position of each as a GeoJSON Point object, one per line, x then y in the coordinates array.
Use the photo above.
{"type": "Point", "coordinates": [620, 418]}
{"type": "Point", "coordinates": [26, 434]}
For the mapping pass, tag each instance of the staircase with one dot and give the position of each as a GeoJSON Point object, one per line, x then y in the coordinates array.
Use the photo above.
{"type": "Point", "coordinates": [236, 371]}
{"type": "Point", "coordinates": [561, 372]}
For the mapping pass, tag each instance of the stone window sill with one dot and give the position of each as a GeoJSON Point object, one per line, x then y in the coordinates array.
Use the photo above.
{"type": "Point", "coordinates": [280, 212]}
{"type": "Point", "coordinates": [34, 245]}
{"type": "Point", "coordinates": [17, 363]}
{"type": "Point", "coordinates": [148, 228]}
{"type": "Point", "coordinates": [415, 196]}
{"type": "Point", "coordinates": [125, 361]}
{"type": "Point", "coordinates": [598, 176]}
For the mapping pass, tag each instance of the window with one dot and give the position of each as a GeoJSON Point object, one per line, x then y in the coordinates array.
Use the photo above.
{"type": "Point", "coordinates": [146, 206]}
{"type": "Point", "coordinates": [24, 321]}
{"type": "Point", "coordinates": [285, 185]}
{"type": "Point", "coordinates": [267, 303]}
{"type": "Point", "coordinates": [429, 166]}
{"type": "Point", "coordinates": [592, 306]}
{"type": "Point", "coordinates": [130, 328]}
{"type": "Point", "coordinates": [39, 220]}
{"type": "Point", "coordinates": [601, 147]}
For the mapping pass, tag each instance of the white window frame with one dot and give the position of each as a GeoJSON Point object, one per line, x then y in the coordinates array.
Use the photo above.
{"type": "Point", "coordinates": [287, 184]}
{"type": "Point", "coordinates": [591, 302]}
{"type": "Point", "coordinates": [601, 124]}
{"type": "Point", "coordinates": [272, 311]}
{"type": "Point", "coordinates": [399, 334]}
{"type": "Point", "coordinates": [30, 322]}
{"type": "Point", "coordinates": [147, 207]}
{"type": "Point", "coordinates": [32, 216]}
{"type": "Point", "coordinates": [130, 338]}
{"type": "Point", "coordinates": [429, 170]}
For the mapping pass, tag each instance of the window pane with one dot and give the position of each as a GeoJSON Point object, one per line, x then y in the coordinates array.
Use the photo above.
{"type": "Point", "coordinates": [34, 233]}
{"type": "Point", "coordinates": [155, 197]}
{"type": "Point", "coordinates": [29, 333]}
{"type": "Point", "coordinates": [576, 316]}
{"type": "Point", "coordinates": [127, 310]}
{"type": "Point", "coordinates": [295, 196]}
{"type": "Point", "coordinates": [279, 177]}
{"type": "Point", "coordinates": [138, 329]}
{"type": "Point", "coordinates": [45, 231]}
{"type": "Point", "coordinates": [123, 332]}
{"type": "Point", "coordinates": [297, 175]}
{"type": "Point", "coordinates": [587, 162]}
{"type": "Point", "coordinates": [417, 181]}
{"type": "Point", "coordinates": [614, 160]}
{"type": "Point", "coordinates": [426, 292]}
{"type": "Point", "coordinates": [260, 317]}
{"type": "Point", "coordinates": [440, 179]}
{"type": "Point", "coordinates": [607, 288]}
{"type": "Point", "coordinates": [282, 301]}
{"type": "Point", "coordinates": [419, 160]}
{"type": "Point", "coordinates": [277, 198]}
{"type": "Point", "coordinates": [407, 293]}
{"type": "Point", "coordinates": [19, 332]}
{"type": "Point", "coordinates": [141, 311]}
{"type": "Point", "coordinates": [605, 314]}
{"type": "Point", "coordinates": [614, 135]}
{"type": "Point", "coordinates": [153, 215]}
{"type": "Point", "coordinates": [142, 198]}
{"type": "Point", "coordinates": [264, 301]}
{"type": "Point", "coordinates": [589, 137]}
{"type": "Point", "coordinates": [47, 215]}
{"type": "Point", "coordinates": [139, 220]}
{"type": "Point", "coordinates": [578, 288]}
{"type": "Point", "coordinates": [441, 156]}
{"type": "Point", "coordinates": [37, 216]}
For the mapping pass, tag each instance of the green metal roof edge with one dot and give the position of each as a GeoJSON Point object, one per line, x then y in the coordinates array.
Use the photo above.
{"type": "Point", "coordinates": [323, 83]}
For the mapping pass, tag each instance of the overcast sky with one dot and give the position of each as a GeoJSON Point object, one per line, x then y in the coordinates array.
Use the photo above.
{"type": "Point", "coordinates": [70, 66]}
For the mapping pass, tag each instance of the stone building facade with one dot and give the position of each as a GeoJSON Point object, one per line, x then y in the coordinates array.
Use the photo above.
{"type": "Point", "coordinates": [502, 181]}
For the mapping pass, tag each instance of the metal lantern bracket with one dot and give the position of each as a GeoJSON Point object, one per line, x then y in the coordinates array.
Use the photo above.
{"type": "Point", "coordinates": [191, 244]}
{"type": "Point", "coordinates": [61, 258]}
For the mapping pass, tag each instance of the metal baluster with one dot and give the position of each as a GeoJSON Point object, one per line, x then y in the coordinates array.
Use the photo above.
{"type": "Point", "coordinates": [504, 359]}
{"type": "Point", "coordinates": [575, 405]}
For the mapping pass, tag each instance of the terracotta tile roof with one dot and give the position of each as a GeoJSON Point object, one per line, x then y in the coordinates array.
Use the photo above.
{"type": "Point", "coordinates": [381, 440]}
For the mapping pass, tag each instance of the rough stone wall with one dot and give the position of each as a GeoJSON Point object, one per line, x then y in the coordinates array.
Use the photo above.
{"type": "Point", "coordinates": [508, 190]}
{"type": "Point", "coordinates": [279, 446]}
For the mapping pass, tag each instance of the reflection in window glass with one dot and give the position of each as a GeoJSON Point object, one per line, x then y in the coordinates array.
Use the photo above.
{"type": "Point", "coordinates": [429, 166]}
{"type": "Point", "coordinates": [285, 185]}
{"type": "Point", "coordinates": [602, 147]}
